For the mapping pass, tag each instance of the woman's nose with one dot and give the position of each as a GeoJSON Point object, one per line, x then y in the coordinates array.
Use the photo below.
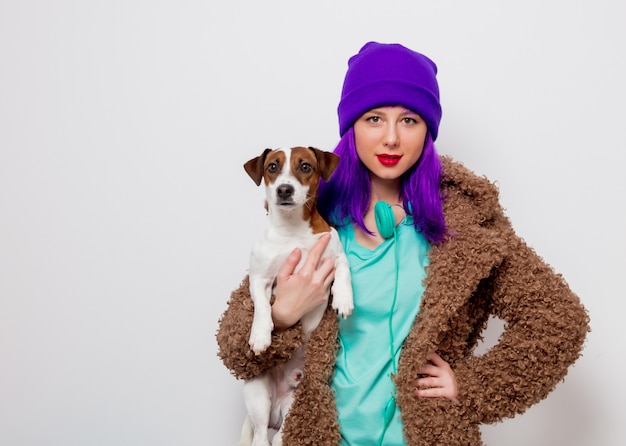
{"type": "Point", "coordinates": [391, 136]}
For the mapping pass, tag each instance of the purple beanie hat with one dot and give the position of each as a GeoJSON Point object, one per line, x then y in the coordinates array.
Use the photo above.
{"type": "Point", "coordinates": [390, 74]}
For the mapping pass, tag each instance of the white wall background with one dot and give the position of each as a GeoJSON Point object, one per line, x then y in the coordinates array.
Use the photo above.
{"type": "Point", "coordinates": [126, 217]}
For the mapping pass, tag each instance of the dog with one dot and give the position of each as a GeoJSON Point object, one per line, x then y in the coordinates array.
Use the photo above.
{"type": "Point", "coordinates": [291, 178]}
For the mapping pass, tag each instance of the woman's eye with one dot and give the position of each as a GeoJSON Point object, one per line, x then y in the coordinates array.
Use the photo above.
{"type": "Point", "coordinates": [306, 167]}
{"type": "Point", "coordinates": [272, 167]}
{"type": "Point", "coordinates": [374, 119]}
{"type": "Point", "coordinates": [409, 120]}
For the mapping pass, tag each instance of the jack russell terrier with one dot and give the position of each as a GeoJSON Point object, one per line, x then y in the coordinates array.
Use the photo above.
{"type": "Point", "coordinates": [291, 178]}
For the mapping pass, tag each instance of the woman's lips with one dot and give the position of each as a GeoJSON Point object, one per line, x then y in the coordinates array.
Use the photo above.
{"type": "Point", "coordinates": [388, 160]}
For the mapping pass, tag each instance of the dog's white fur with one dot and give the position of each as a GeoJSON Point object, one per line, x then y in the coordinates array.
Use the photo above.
{"type": "Point", "coordinates": [269, 396]}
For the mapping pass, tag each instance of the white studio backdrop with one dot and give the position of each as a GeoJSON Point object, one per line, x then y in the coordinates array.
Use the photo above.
{"type": "Point", "coordinates": [126, 217]}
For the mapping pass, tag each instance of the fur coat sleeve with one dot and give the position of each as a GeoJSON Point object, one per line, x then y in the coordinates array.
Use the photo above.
{"type": "Point", "coordinates": [545, 322]}
{"type": "Point", "coordinates": [234, 332]}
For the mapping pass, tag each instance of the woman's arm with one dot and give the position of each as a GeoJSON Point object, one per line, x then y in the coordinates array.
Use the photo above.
{"type": "Point", "coordinates": [234, 332]}
{"type": "Point", "coordinates": [296, 294]}
{"type": "Point", "coordinates": [544, 334]}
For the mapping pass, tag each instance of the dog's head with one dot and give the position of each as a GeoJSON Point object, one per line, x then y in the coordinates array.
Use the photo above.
{"type": "Point", "coordinates": [291, 176]}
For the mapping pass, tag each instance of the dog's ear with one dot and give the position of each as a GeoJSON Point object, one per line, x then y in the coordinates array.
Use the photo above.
{"type": "Point", "coordinates": [327, 162]}
{"type": "Point", "coordinates": [254, 167]}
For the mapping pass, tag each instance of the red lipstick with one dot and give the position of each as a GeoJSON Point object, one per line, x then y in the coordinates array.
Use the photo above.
{"type": "Point", "coordinates": [388, 160]}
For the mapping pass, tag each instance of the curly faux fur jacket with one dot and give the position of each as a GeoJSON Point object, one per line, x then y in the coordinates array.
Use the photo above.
{"type": "Point", "coordinates": [481, 269]}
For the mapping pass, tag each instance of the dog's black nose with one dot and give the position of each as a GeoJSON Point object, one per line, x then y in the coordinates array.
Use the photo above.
{"type": "Point", "coordinates": [285, 191]}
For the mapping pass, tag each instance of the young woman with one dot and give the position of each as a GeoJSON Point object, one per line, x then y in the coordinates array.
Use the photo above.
{"type": "Point", "coordinates": [432, 257]}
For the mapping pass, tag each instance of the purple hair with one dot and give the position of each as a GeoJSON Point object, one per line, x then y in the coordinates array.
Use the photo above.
{"type": "Point", "coordinates": [346, 196]}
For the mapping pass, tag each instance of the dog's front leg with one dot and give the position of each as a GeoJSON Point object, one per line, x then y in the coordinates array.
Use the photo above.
{"type": "Point", "coordinates": [343, 302]}
{"type": "Point", "coordinates": [262, 324]}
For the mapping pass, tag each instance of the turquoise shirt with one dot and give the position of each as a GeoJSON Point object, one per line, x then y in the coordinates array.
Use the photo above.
{"type": "Point", "coordinates": [362, 380]}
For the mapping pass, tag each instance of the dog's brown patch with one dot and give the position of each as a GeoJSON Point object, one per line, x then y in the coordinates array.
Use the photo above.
{"type": "Point", "coordinates": [308, 165]}
{"type": "Point", "coordinates": [274, 164]}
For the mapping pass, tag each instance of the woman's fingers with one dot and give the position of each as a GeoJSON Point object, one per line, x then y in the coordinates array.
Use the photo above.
{"type": "Point", "coordinates": [429, 370]}
{"type": "Point", "coordinates": [438, 380]}
{"type": "Point", "coordinates": [436, 360]}
{"type": "Point", "coordinates": [312, 262]}
{"type": "Point", "coordinates": [428, 382]}
{"type": "Point", "coordinates": [315, 254]}
{"type": "Point", "coordinates": [289, 266]}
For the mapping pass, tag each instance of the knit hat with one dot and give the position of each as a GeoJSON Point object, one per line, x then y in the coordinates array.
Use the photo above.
{"type": "Point", "coordinates": [390, 74]}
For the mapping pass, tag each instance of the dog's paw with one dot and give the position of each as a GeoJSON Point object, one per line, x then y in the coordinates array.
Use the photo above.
{"type": "Point", "coordinates": [260, 341]}
{"type": "Point", "coordinates": [260, 335]}
{"type": "Point", "coordinates": [342, 306]}
{"type": "Point", "coordinates": [343, 302]}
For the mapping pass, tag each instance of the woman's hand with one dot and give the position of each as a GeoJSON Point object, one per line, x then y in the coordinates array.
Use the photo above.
{"type": "Point", "coordinates": [297, 294]}
{"type": "Point", "coordinates": [440, 381]}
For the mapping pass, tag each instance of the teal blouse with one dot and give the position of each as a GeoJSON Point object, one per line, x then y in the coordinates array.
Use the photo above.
{"type": "Point", "coordinates": [387, 286]}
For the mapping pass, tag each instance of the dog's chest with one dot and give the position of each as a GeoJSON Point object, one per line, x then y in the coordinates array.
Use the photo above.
{"type": "Point", "coordinates": [270, 253]}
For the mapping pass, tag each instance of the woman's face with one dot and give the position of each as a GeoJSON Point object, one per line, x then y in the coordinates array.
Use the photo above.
{"type": "Point", "coordinates": [389, 140]}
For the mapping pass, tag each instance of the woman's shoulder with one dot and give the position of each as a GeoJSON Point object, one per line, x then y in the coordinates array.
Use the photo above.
{"type": "Point", "coordinates": [464, 189]}
{"type": "Point", "coordinates": [457, 175]}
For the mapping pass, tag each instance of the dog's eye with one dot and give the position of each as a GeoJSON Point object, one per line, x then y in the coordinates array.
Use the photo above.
{"type": "Point", "coordinates": [272, 167]}
{"type": "Point", "coordinates": [306, 167]}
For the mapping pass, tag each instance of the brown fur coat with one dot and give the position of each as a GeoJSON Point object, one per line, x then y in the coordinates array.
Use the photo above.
{"type": "Point", "coordinates": [481, 269]}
